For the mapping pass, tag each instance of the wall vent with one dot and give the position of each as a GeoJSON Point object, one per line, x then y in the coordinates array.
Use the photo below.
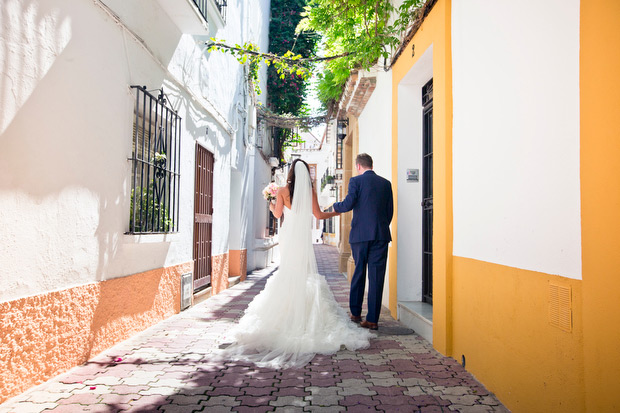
{"type": "Point", "coordinates": [560, 307]}
{"type": "Point", "coordinates": [187, 282]}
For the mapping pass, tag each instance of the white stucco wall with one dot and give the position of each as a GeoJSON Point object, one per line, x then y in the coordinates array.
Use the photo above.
{"type": "Point", "coordinates": [67, 116]}
{"type": "Point", "coordinates": [516, 134]}
{"type": "Point", "coordinates": [410, 193]}
{"type": "Point", "coordinates": [375, 137]}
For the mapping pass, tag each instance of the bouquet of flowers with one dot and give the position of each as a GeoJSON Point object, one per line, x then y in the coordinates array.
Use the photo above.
{"type": "Point", "coordinates": [270, 191]}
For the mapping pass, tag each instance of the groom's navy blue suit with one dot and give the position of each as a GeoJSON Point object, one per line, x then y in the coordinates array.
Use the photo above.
{"type": "Point", "coordinates": [370, 198]}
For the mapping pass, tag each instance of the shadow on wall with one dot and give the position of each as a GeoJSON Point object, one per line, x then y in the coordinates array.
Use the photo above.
{"type": "Point", "coordinates": [64, 179]}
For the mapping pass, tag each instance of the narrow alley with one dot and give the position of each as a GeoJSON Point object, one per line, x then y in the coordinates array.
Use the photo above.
{"type": "Point", "coordinates": [169, 368]}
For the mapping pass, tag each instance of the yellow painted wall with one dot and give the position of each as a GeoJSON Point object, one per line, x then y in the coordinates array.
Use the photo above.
{"type": "Point", "coordinates": [600, 200]}
{"type": "Point", "coordinates": [501, 325]}
{"type": "Point", "coordinates": [434, 31]}
{"type": "Point", "coordinates": [498, 316]}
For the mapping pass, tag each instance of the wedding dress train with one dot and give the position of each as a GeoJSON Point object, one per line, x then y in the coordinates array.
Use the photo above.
{"type": "Point", "coordinates": [296, 315]}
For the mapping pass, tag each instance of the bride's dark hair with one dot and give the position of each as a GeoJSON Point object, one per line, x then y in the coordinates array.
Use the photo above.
{"type": "Point", "coordinates": [290, 180]}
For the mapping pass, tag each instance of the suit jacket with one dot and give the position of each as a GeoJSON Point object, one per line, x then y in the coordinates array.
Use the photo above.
{"type": "Point", "coordinates": [370, 198]}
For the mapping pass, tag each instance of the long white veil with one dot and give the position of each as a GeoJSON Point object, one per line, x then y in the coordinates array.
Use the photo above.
{"type": "Point", "coordinates": [296, 235]}
{"type": "Point", "coordinates": [296, 315]}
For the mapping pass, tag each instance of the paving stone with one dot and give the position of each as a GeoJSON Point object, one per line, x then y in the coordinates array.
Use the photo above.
{"type": "Point", "coordinates": [414, 382]}
{"type": "Point", "coordinates": [357, 399]}
{"type": "Point", "coordinates": [489, 400]}
{"type": "Point", "coordinates": [218, 409]}
{"type": "Point", "coordinates": [467, 400]}
{"type": "Point", "coordinates": [259, 391]}
{"type": "Point", "coordinates": [29, 407]}
{"type": "Point", "coordinates": [325, 409]}
{"type": "Point", "coordinates": [363, 390]}
{"type": "Point", "coordinates": [361, 408]}
{"type": "Point", "coordinates": [48, 396]}
{"type": "Point", "coordinates": [226, 391]}
{"type": "Point", "coordinates": [58, 387]}
{"type": "Point", "coordinates": [323, 391]}
{"type": "Point", "coordinates": [386, 382]}
{"type": "Point", "coordinates": [255, 400]}
{"type": "Point", "coordinates": [389, 391]}
{"type": "Point", "coordinates": [195, 390]}
{"type": "Point", "coordinates": [186, 400]}
{"type": "Point", "coordinates": [289, 409]}
{"type": "Point", "coordinates": [470, 409]}
{"type": "Point", "coordinates": [429, 400]}
{"type": "Point", "coordinates": [83, 398]}
{"type": "Point", "coordinates": [288, 401]}
{"type": "Point", "coordinates": [290, 391]}
{"type": "Point", "coordinates": [251, 409]}
{"type": "Point", "coordinates": [158, 390]}
{"type": "Point", "coordinates": [124, 389]}
{"type": "Point", "coordinates": [114, 399]}
{"type": "Point", "coordinates": [396, 400]}
{"type": "Point", "coordinates": [398, 408]}
{"type": "Point", "coordinates": [103, 380]}
{"type": "Point", "coordinates": [134, 381]}
{"type": "Point", "coordinates": [324, 400]}
{"type": "Point", "coordinates": [380, 374]}
{"type": "Point", "coordinates": [176, 408]}
{"type": "Point", "coordinates": [432, 409]}
{"type": "Point", "coordinates": [220, 401]}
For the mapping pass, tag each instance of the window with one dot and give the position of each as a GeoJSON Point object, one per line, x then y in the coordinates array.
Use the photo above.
{"type": "Point", "coordinates": [272, 225]}
{"type": "Point", "coordinates": [339, 154]}
{"type": "Point", "coordinates": [155, 165]}
{"type": "Point", "coordinates": [221, 7]}
{"type": "Point", "coordinates": [329, 225]}
{"type": "Point", "coordinates": [202, 7]}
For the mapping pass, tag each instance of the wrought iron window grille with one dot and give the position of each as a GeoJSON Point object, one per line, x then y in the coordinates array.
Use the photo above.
{"type": "Point", "coordinates": [221, 7]}
{"type": "Point", "coordinates": [156, 160]}
{"type": "Point", "coordinates": [202, 8]}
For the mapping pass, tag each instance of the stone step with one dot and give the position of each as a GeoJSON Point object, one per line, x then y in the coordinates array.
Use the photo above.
{"type": "Point", "coordinates": [418, 316]}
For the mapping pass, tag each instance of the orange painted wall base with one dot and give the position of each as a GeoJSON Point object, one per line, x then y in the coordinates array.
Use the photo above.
{"type": "Point", "coordinates": [238, 263]}
{"type": "Point", "coordinates": [219, 274]}
{"type": "Point", "coordinates": [44, 335]}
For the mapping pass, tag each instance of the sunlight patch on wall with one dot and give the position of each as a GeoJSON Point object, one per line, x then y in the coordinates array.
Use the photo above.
{"type": "Point", "coordinates": [31, 41]}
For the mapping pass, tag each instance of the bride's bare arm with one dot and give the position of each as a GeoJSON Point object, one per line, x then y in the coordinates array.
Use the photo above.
{"type": "Point", "coordinates": [279, 206]}
{"type": "Point", "coordinates": [316, 209]}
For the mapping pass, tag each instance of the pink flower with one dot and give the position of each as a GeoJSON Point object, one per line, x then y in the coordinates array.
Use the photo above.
{"type": "Point", "coordinates": [270, 191]}
{"type": "Point", "coordinates": [93, 387]}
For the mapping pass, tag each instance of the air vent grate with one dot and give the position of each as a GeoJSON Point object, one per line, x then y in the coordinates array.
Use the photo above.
{"type": "Point", "coordinates": [560, 307]}
{"type": "Point", "coordinates": [186, 290]}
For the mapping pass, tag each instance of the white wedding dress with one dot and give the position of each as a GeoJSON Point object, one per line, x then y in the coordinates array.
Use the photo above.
{"type": "Point", "coordinates": [296, 315]}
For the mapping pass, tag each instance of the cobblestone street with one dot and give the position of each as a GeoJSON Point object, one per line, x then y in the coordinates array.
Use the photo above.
{"type": "Point", "coordinates": [169, 368]}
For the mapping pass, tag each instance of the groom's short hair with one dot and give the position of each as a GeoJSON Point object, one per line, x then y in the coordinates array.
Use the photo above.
{"type": "Point", "coordinates": [364, 160]}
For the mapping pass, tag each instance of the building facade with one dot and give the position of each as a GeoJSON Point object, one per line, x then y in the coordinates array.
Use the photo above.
{"type": "Point", "coordinates": [505, 111]}
{"type": "Point", "coordinates": [131, 172]}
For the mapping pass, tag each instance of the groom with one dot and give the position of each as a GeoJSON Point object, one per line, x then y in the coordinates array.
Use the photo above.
{"type": "Point", "coordinates": [370, 198]}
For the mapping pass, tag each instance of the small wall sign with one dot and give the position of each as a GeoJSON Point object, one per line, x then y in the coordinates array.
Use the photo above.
{"type": "Point", "coordinates": [413, 175]}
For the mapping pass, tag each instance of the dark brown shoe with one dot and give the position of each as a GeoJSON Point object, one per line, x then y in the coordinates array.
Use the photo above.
{"type": "Point", "coordinates": [369, 325]}
{"type": "Point", "coordinates": [356, 318]}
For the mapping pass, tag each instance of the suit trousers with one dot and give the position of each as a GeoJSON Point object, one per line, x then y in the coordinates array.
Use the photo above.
{"type": "Point", "coordinates": [371, 255]}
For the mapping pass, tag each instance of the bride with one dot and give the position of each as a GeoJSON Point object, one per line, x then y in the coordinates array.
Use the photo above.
{"type": "Point", "coordinates": [296, 315]}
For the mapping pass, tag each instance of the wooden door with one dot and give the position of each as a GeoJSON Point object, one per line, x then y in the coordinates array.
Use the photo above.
{"type": "Point", "coordinates": [203, 218]}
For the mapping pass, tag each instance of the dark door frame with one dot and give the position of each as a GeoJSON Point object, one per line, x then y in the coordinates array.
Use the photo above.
{"type": "Point", "coordinates": [203, 217]}
{"type": "Point", "coordinates": [427, 192]}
